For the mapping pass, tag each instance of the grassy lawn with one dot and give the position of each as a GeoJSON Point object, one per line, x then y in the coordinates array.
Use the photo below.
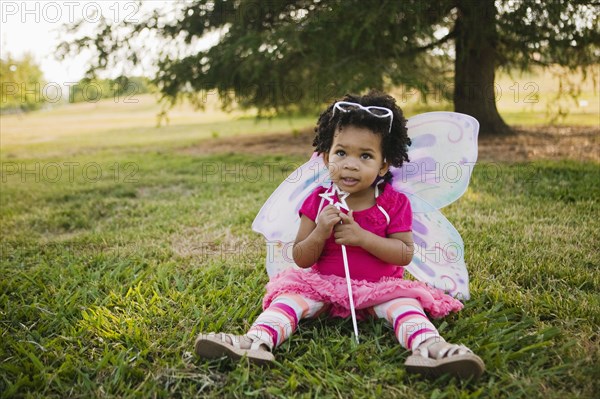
{"type": "Point", "coordinates": [527, 98]}
{"type": "Point", "coordinates": [118, 249]}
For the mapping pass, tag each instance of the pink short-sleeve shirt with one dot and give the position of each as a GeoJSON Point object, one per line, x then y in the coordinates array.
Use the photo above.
{"type": "Point", "coordinates": [363, 265]}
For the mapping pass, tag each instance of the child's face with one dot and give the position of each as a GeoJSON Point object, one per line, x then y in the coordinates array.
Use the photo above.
{"type": "Point", "coordinates": [355, 159]}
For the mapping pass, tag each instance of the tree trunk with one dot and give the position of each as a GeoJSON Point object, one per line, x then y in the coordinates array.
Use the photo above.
{"type": "Point", "coordinates": [474, 90]}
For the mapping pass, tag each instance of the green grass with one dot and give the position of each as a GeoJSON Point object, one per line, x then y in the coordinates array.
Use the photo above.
{"type": "Point", "coordinates": [86, 128]}
{"type": "Point", "coordinates": [106, 281]}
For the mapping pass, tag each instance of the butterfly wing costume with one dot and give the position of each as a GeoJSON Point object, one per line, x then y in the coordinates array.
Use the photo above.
{"type": "Point", "coordinates": [443, 153]}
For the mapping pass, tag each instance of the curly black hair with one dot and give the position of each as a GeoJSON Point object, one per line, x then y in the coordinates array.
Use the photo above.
{"type": "Point", "coordinates": [394, 143]}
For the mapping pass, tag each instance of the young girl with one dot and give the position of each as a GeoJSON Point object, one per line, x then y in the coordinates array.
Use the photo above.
{"type": "Point", "coordinates": [359, 138]}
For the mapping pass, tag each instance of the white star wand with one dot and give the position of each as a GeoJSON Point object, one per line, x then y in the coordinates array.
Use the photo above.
{"type": "Point", "coordinates": [342, 195]}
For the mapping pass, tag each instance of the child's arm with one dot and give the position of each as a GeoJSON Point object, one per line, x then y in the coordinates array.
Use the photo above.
{"type": "Point", "coordinates": [311, 236]}
{"type": "Point", "coordinates": [397, 248]}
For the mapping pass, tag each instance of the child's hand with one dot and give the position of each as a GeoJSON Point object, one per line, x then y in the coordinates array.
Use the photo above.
{"type": "Point", "coordinates": [329, 217]}
{"type": "Point", "coordinates": [349, 232]}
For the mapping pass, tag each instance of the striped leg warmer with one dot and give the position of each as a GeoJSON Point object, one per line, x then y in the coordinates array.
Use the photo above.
{"type": "Point", "coordinates": [411, 325]}
{"type": "Point", "coordinates": [276, 323]}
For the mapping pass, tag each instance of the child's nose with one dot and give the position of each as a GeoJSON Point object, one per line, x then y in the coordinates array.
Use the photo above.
{"type": "Point", "coordinates": [351, 164]}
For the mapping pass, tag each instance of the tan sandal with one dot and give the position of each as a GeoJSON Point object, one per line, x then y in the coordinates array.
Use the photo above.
{"type": "Point", "coordinates": [214, 346]}
{"type": "Point", "coordinates": [456, 360]}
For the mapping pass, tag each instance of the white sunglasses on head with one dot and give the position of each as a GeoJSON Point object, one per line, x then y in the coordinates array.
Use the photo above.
{"type": "Point", "coordinates": [378, 112]}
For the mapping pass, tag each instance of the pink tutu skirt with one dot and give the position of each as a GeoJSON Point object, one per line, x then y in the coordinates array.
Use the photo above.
{"type": "Point", "coordinates": [333, 290]}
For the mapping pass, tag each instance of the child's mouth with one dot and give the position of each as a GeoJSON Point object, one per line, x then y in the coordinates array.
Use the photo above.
{"type": "Point", "coordinates": [349, 181]}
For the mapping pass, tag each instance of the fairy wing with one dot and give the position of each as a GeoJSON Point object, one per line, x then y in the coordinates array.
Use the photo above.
{"type": "Point", "coordinates": [278, 219]}
{"type": "Point", "coordinates": [442, 156]}
{"type": "Point", "coordinates": [443, 153]}
{"type": "Point", "coordinates": [439, 250]}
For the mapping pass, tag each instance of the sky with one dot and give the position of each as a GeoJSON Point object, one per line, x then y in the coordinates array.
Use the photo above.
{"type": "Point", "coordinates": [34, 27]}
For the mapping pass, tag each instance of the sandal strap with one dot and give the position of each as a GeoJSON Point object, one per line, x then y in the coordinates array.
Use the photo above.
{"type": "Point", "coordinates": [423, 349]}
{"type": "Point", "coordinates": [448, 350]}
{"type": "Point", "coordinates": [257, 342]}
{"type": "Point", "coordinates": [234, 340]}
{"type": "Point", "coordinates": [452, 350]}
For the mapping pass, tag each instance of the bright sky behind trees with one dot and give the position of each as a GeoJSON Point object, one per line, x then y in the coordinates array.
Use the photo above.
{"type": "Point", "coordinates": [35, 27]}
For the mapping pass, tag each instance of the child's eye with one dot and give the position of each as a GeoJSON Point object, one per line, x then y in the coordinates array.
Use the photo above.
{"type": "Point", "coordinates": [366, 156]}
{"type": "Point", "coordinates": [340, 153]}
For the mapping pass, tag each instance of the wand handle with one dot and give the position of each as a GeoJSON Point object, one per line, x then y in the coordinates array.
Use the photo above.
{"type": "Point", "coordinates": [342, 204]}
{"type": "Point", "coordinates": [348, 283]}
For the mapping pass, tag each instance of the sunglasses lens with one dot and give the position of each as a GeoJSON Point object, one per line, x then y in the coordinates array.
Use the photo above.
{"type": "Point", "coordinates": [379, 111]}
{"type": "Point", "coordinates": [347, 107]}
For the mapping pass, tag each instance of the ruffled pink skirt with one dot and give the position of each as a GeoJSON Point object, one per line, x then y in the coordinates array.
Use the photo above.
{"type": "Point", "coordinates": [334, 291]}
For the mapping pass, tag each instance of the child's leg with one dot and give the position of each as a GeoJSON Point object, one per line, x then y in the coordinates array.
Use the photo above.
{"type": "Point", "coordinates": [272, 327]}
{"type": "Point", "coordinates": [432, 355]}
{"type": "Point", "coordinates": [411, 325]}
{"type": "Point", "coordinates": [280, 319]}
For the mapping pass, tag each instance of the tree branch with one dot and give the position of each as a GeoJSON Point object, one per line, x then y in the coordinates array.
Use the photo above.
{"type": "Point", "coordinates": [417, 50]}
